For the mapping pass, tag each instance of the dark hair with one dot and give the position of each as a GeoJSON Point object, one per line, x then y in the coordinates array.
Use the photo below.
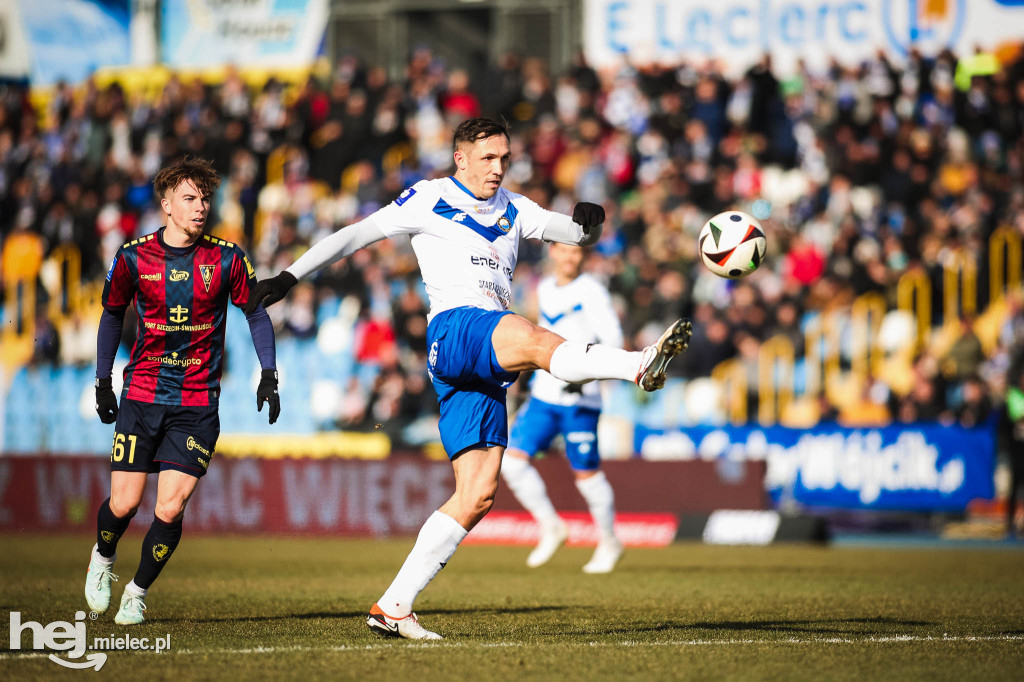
{"type": "Point", "coordinates": [194, 168]}
{"type": "Point", "coordinates": [473, 129]}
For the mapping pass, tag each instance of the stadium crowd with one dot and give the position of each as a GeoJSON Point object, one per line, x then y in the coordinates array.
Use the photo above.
{"type": "Point", "coordinates": [872, 171]}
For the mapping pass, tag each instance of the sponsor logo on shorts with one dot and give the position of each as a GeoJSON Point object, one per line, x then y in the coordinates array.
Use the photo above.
{"type": "Point", "coordinates": [178, 275]}
{"type": "Point", "coordinates": [155, 277]}
{"type": "Point", "coordinates": [192, 444]}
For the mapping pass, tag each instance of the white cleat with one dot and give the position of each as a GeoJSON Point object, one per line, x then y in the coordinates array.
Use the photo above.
{"type": "Point", "coordinates": [551, 538]}
{"type": "Point", "coordinates": [408, 627]}
{"type": "Point", "coordinates": [605, 557]}
{"type": "Point", "coordinates": [131, 610]}
{"type": "Point", "coordinates": [655, 358]}
{"type": "Point", "coordinates": [97, 582]}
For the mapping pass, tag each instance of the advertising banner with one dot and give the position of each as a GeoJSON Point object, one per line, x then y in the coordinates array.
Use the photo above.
{"type": "Point", "coordinates": [69, 39]}
{"type": "Point", "coordinates": [907, 467]}
{"type": "Point", "coordinates": [739, 32]}
{"type": "Point", "coordinates": [392, 496]}
{"type": "Point", "coordinates": [275, 33]}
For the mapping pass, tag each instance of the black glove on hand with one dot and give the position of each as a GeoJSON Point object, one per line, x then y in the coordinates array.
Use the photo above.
{"type": "Point", "coordinates": [106, 401]}
{"type": "Point", "coordinates": [270, 291]}
{"type": "Point", "coordinates": [588, 215]}
{"type": "Point", "coordinates": [266, 392]}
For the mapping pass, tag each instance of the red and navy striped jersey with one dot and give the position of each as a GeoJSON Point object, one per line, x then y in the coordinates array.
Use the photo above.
{"type": "Point", "coordinates": [182, 302]}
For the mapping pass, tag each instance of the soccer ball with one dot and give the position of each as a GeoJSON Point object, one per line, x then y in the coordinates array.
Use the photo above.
{"type": "Point", "coordinates": [732, 244]}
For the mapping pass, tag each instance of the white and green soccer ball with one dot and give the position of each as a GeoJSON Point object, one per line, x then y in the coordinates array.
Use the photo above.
{"type": "Point", "coordinates": [732, 244]}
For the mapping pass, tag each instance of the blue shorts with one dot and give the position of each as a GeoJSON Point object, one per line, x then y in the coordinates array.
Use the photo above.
{"type": "Point", "coordinates": [149, 438]}
{"type": "Point", "coordinates": [469, 382]}
{"type": "Point", "coordinates": [539, 422]}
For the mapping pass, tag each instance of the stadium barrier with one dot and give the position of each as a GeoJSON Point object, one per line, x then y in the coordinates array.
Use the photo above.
{"type": "Point", "coordinates": [378, 498]}
{"type": "Point", "coordinates": [918, 468]}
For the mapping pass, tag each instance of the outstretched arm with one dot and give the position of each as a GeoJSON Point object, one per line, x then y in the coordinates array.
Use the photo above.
{"type": "Point", "coordinates": [342, 243]}
{"type": "Point", "coordinates": [583, 229]}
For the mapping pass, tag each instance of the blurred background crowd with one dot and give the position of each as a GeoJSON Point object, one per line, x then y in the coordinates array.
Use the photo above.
{"type": "Point", "coordinates": [880, 179]}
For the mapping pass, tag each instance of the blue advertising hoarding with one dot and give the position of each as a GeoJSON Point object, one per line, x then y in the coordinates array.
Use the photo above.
{"type": "Point", "coordinates": [919, 467]}
{"type": "Point", "coordinates": [69, 39]}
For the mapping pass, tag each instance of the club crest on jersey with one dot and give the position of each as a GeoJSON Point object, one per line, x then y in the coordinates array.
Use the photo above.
{"type": "Point", "coordinates": [405, 196]}
{"type": "Point", "coordinates": [207, 273]}
{"type": "Point", "coordinates": [178, 275]}
{"type": "Point", "coordinates": [504, 224]}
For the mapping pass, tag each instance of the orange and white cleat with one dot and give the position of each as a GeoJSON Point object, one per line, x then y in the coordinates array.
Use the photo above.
{"type": "Point", "coordinates": [408, 627]}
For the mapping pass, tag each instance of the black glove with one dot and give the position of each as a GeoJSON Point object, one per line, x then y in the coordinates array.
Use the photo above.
{"type": "Point", "coordinates": [266, 392]}
{"type": "Point", "coordinates": [270, 291]}
{"type": "Point", "coordinates": [588, 215]}
{"type": "Point", "coordinates": [106, 401]}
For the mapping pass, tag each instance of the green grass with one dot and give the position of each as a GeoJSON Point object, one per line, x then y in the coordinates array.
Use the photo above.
{"type": "Point", "coordinates": [684, 612]}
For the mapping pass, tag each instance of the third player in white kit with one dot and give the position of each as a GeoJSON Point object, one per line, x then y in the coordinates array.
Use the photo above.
{"type": "Point", "coordinates": [577, 307]}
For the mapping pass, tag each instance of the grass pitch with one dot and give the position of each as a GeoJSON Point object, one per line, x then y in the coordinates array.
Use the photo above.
{"type": "Point", "coordinates": [239, 608]}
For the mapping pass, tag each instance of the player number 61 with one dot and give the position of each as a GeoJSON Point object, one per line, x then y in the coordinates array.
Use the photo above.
{"type": "Point", "coordinates": [118, 453]}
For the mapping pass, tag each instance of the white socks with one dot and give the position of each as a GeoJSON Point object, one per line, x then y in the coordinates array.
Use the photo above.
{"type": "Point", "coordinates": [134, 590]}
{"type": "Point", "coordinates": [597, 491]}
{"type": "Point", "coordinates": [526, 484]}
{"type": "Point", "coordinates": [438, 539]}
{"type": "Point", "coordinates": [573, 362]}
{"type": "Point", "coordinates": [100, 559]}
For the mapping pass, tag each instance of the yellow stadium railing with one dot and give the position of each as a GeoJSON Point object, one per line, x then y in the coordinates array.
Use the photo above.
{"type": "Point", "coordinates": [66, 261]}
{"type": "Point", "coordinates": [731, 376]}
{"type": "Point", "coordinates": [914, 295]}
{"type": "Point", "coordinates": [775, 379]}
{"type": "Point", "coordinates": [1004, 263]}
{"type": "Point", "coordinates": [959, 287]}
{"type": "Point", "coordinates": [866, 318]}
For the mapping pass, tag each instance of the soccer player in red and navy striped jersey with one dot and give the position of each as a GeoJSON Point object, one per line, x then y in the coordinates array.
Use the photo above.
{"type": "Point", "coordinates": [180, 281]}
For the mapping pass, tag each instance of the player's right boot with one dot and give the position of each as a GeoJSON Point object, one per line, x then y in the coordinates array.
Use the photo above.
{"type": "Point", "coordinates": [409, 627]}
{"type": "Point", "coordinates": [551, 538]}
{"type": "Point", "coordinates": [97, 582]}
{"type": "Point", "coordinates": [655, 358]}
{"type": "Point", "coordinates": [131, 609]}
{"type": "Point", "coordinates": [605, 557]}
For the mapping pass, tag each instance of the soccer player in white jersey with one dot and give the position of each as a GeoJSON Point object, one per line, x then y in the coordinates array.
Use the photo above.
{"type": "Point", "coordinates": [578, 308]}
{"type": "Point", "coordinates": [465, 233]}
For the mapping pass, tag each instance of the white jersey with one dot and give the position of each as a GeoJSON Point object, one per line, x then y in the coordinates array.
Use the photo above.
{"type": "Point", "coordinates": [466, 247]}
{"type": "Point", "coordinates": [578, 311]}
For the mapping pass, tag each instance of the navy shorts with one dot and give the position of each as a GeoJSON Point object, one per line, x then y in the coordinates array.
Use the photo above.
{"type": "Point", "coordinates": [469, 382]}
{"type": "Point", "coordinates": [149, 438]}
{"type": "Point", "coordinates": [539, 422]}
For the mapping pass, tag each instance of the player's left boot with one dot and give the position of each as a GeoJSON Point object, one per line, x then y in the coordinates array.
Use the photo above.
{"type": "Point", "coordinates": [605, 557]}
{"type": "Point", "coordinates": [655, 358]}
{"type": "Point", "coordinates": [131, 610]}
{"type": "Point", "coordinates": [408, 627]}
{"type": "Point", "coordinates": [551, 538]}
{"type": "Point", "coordinates": [97, 583]}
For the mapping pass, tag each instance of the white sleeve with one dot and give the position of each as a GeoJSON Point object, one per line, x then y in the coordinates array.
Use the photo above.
{"type": "Point", "coordinates": [342, 243]}
{"type": "Point", "coordinates": [407, 213]}
{"type": "Point", "coordinates": [601, 315]}
{"type": "Point", "coordinates": [532, 218]}
{"type": "Point", "coordinates": [563, 229]}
